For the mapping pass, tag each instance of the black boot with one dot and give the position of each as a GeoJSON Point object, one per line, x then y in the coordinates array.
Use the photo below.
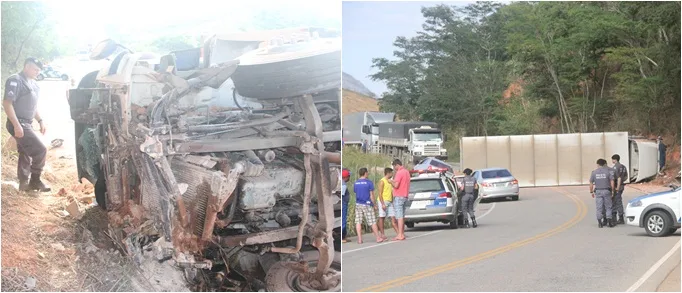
{"type": "Point", "coordinates": [473, 222]}
{"type": "Point", "coordinates": [601, 223]}
{"type": "Point", "coordinates": [23, 185]}
{"type": "Point", "coordinates": [37, 184]}
{"type": "Point", "coordinates": [466, 222]}
{"type": "Point", "coordinates": [621, 219]}
{"type": "Point", "coordinates": [611, 225]}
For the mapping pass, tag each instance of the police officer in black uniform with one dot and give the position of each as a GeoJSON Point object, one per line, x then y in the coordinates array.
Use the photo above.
{"type": "Point", "coordinates": [601, 188]}
{"type": "Point", "coordinates": [21, 105]}
{"type": "Point", "coordinates": [620, 176]}
{"type": "Point", "coordinates": [469, 187]}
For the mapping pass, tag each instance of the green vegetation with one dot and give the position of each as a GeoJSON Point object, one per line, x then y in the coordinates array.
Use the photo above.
{"type": "Point", "coordinates": [539, 67]}
{"type": "Point", "coordinates": [27, 31]}
{"type": "Point", "coordinates": [353, 160]}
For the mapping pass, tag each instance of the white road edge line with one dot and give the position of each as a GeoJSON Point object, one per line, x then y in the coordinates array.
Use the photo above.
{"type": "Point", "coordinates": [422, 235]}
{"type": "Point", "coordinates": [654, 268]}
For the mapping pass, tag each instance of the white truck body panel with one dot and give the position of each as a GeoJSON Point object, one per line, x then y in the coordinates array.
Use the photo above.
{"type": "Point", "coordinates": [558, 159]}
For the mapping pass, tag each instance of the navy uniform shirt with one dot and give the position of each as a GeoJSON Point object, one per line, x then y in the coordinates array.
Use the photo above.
{"type": "Point", "coordinates": [602, 178]}
{"type": "Point", "coordinates": [469, 184]}
{"type": "Point", "coordinates": [620, 172]}
{"type": "Point", "coordinates": [23, 93]}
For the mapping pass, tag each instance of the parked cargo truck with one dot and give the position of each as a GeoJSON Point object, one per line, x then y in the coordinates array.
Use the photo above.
{"type": "Point", "coordinates": [363, 126]}
{"type": "Point", "coordinates": [411, 141]}
{"type": "Point", "coordinates": [559, 159]}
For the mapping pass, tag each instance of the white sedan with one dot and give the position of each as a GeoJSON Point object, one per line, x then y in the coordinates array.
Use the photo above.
{"type": "Point", "coordinates": [658, 213]}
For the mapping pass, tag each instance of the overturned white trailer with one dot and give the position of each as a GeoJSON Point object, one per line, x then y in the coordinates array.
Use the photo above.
{"type": "Point", "coordinates": [559, 159]}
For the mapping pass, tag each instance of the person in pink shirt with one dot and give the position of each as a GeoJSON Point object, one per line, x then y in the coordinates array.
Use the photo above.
{"type": "Point", "coordinates": [401, 188]}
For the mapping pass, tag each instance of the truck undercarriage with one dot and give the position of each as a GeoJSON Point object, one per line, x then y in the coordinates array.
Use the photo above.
{"type": "Point", "coordinates": [235, 198]}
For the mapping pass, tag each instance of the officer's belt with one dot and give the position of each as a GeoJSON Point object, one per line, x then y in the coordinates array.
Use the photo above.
{"type": "Point", "coordinates": [25, 120]}
{"type": "Point", "coordinates": [602, 189]}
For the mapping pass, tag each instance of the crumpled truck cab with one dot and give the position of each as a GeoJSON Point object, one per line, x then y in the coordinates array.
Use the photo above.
{"type": "Point", "coordinates": [242, 194]}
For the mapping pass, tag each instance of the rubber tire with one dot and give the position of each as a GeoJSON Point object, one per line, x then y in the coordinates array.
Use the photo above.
{"type": "Point", "coordinates": [40, 77]}
{"type": "Point", "coordinates": [667, 223]}
{"type": "Point", "coordinates": [673, 230]}
{"type": "Point", "coordinates": [453, 224]}
{"type": "Point", "coordinates": [409, 225]}
{"type": "Point", "coordinates": [290, 78]}
{"type": "Point", "coordinates": [65, 77]}
{"type": "Point", "coordinates": [515, 198]}
{"type": "Point", "coordinates": [101, 192]}
{"type": "Point", "coordinates": [278, 279]}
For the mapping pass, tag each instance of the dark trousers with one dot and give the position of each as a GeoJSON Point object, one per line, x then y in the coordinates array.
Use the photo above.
{"type": "Point", "coordinates": [32, 152]}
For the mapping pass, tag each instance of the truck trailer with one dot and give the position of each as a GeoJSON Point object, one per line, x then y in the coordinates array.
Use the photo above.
{"type": "Point", "coordinates": [559, 159]}
{"type": "Point", "coordinates": [363, 126]}
{"type": "Point", "coordinates": [411, 141]}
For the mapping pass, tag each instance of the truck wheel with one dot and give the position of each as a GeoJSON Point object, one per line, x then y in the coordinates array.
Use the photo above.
{"type": "Point", "coordinates": [657, 223]}
{"type": "Point", "coordinates": [409, 225]}
{"type": "Point", "coordinates": [515, 198]}
{"type": "Point", "coordinates": [271, 76]}
{"type": "Point", "coordinates": [282, 278]}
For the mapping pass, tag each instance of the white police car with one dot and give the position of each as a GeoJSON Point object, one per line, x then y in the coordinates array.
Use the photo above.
{"type": "Point", "coordinates": [658, 213]}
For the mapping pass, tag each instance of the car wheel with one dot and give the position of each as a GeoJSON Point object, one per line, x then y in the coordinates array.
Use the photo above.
{"type": "Point", "coordinates": [673, 230]}
{"type": "Point", "coordinates": [453, 224]}
{"type": "Point", "coordinates": [409, 225]}
{"type": "Point", "coordinates": [65, 77]}
{"type": "Point", "coordinates": [657, 224]}
{"type": "Point", "coordinates": [281, 277]}
{"type": "Point", "coordinates": [516, 197]}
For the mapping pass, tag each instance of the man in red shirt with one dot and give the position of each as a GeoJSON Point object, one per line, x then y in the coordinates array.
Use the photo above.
{"type": "Point", "coordinates": [401, 189]}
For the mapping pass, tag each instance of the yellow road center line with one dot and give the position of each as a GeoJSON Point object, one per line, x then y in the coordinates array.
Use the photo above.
{"type": "Point", "coordinates": [581, 211]}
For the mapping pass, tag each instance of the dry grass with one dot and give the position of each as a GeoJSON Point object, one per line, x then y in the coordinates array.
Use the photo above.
{"type": "Point", "coordinates": [354, 102]}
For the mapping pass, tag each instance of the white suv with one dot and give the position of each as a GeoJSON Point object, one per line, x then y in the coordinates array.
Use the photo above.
{"type": "Point", "coordinates": [658, 213]}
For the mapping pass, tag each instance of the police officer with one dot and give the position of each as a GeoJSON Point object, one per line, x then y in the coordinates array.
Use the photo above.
{"type": "Point", "coordinates": [20, 102]}
{"type": "Point", "coordinates": [620, 176]}
{"type": "Point", "coordinates": [469, 187]}
{"type": "Point", "coordinates": [612, 171]}
{"type": "Point", "coordinates": [601, 186]}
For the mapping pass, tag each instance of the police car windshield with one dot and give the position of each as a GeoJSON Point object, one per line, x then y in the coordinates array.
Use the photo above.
{"type": "Point", "coordinates": [426, 185]}
{"type": "Point", "coordinates": [495, 174]}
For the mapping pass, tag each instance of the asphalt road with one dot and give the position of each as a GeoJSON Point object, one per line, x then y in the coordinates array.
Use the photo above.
{"type": "Point", "coordinates": [546, 241]}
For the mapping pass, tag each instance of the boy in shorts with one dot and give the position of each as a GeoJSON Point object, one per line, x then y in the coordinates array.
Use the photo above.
{"type": "Point", "coordinates": [385, 200]}
{"type": "Point", "coordinates": [364, 205]}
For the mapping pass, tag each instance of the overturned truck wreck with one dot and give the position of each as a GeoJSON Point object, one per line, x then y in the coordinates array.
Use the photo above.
{"type": "Point", "coordinates": [236, 198]}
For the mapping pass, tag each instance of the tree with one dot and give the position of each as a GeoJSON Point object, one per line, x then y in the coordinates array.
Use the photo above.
{"type": "Point", "coordinates": [26, 31]}
{"type": "Point", "coordinates": [577, 67]}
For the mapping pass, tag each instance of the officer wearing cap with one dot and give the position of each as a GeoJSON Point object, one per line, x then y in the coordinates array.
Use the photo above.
{"type": "Point", "coordinates": [601, 186]}
{"type": "Point", "coordinates": [21, 105]}
{"type": "Point", "coordinates": [469, 187]}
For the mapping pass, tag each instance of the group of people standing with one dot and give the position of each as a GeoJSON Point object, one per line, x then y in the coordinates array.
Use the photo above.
{"type": "Point", "coordinates": [389, 201]}
{"type": "Point", "coordinates": [606, 186]}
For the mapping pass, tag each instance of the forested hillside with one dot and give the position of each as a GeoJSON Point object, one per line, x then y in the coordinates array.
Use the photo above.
{"type": "Point", "coordinates": [547, 67]}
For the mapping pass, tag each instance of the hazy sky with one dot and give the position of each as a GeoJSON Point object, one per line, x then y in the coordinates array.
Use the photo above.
{"type": "Point", "coordinates": [369, 29]}
{"type": "Point", "coordinates": [90, 19]}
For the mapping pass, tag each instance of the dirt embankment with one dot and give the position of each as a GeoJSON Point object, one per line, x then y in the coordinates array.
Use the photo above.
{"type": "Point", "coordinates": [57, 241]}
{"type": "Point", "coordinates": [354, 102]}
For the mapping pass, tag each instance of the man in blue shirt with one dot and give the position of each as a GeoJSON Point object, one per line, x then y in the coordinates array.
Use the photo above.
{"type": "Point", "coordinates": [364, 205]}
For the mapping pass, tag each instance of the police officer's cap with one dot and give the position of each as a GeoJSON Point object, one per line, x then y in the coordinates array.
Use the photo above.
{"type": "Point", "coordinates": [34, 61]}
